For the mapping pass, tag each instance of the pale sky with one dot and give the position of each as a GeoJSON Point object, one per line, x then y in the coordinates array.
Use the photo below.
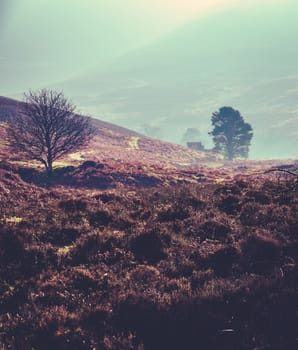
{"type": "Point", "coordinates": [141, 18]}
{"type": "Point", "coordinates": [51, 40]}
{"type": "Point", "coordinates": [96, 48]}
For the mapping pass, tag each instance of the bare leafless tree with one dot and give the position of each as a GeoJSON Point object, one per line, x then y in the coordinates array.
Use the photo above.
{"type": "Point", "coordinates": [48, 127]}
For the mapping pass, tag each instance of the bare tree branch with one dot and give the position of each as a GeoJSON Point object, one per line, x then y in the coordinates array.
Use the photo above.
{"type": "Point", "coordinates": [282, 170]}
{"type": "Point", "coordinates": [48, 128]}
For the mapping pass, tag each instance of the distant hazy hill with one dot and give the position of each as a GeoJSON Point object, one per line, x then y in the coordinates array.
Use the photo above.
{"type": "Point", "coordinates": [245, 57]}
{"type": "Point", "coordinates": [115, 143]}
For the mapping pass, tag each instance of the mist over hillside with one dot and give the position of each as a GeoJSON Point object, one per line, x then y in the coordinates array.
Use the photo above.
{"type": "Point", "coordinates": [246, 58]}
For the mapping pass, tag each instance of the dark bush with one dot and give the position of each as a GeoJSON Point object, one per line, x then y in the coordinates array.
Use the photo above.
{"type": "Point", "coordinates": [214, 230]}
{"type": "Point", "coordinates": [63, 171]}
{"type": "Point", "coordinates": [260, 254]}
{"type": "Point", "coordinates": [230, 205]}
{"type": "Point", "coordinates": [107, 197]}
{"type": "Point", "coordinates": [173, 213]}
{"type": "Point", "coordinates": [57, 337]}
{"type": "Point", "coordinates": [91, 164]}
{"type": "Point", "coordinates": [222, 260]}
{"type": "Point", "coordinates": [146, 181]}
{"type": "Point", "coordinates": [100, 218]}
{"type": "Point", "coordinates": [140, 315]}
{"type": "Point", "coordinates": [148, 247]}
{"type": "Point", "coordinates": [38, 258]}
{"type": "Point", "coordinates": [227, 190]}
{"type": "Point", "coordinates": [258, 197]}
{"type": "Point", "coordinates": [83, 281]}
{"type": "Point", "coordinates": [85, 248]}
{"type": "Point", "coordinates": [73, 205]}
{"type": "Point", "coordinates": [253, 214]}
{"type": "Point", "coordinates": [11, 245]}
{"type": "Point", "coordinates": [291, 249]}
{"type": "Point", "coordinates": [62, 236]}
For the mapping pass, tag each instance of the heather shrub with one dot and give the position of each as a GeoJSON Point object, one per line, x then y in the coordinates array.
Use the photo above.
{"type": "Point", "coordinates": [282, 217]}
{"type": "Point", "coordinates": [100, 218]}
{"type": "Point", "coordinates": [183, 323]}
{"type": "Point", "coordinates": [141, 315]}
{"type": "Point", "coordinates": [253, 214]}
{"type": "Point", "coordinates": [241, 184]}
{"type": "Point", "coordinates": [291, 250]}
{"type": "Point", "coordinates": [145, 275]}
{"type": "Point", "coordinates": [97, 319]}
{"type": "Point", "coordinates": [108, 197]}
{"type": "Point", "coordinates": [83, 280]}
{"type": "Point", "coordinates": [89, 164]}
{"type": "Point", "coordinates": [214, 230]}
{"type": "Point", "coordinates": [38, 258]}
{"type": "Point", "coordinates": [146, 181]}
{"type": "Point", "coordinates": [199, 278]}
{"type": "Point", "coordinates": [12, 295]}
{"type": "Point", "coordinates": [122, 222]}
{"type": "Point", "coordinates": [184, 268]}
{"type": "Point", "coordinates": [11, 245]}
{"type": "Point", "coordinates": [20, 258]}
{"type": "Point", "coordinates": [223, 259]}
{"type": "Point", "coordinates": [180, 196]}
{"type": "Point", "coordinates": [172, 213]}
{"type": "Point", "coordinates": [186, 196]}
{"type": "Point", "coordinates": [61, 236]}
{"type": "Point", "coordinates": [73, 205]}
{"type": "Point", "coordinates": [113, 240]}
{"type": "Point", "coordinates": [230, 205]}
{"type": "Point", "coordinates": [148, 247]}
{"type": "Point", "coordinates": [191, 226]}
{"type": "Point", "coordinates": [285, 198]}
{"type": "Point", "coordinates": [57, 329]}
{"type": "Point", "coordinates": [260, 253]}
{"type": "Point", "coordinates": [257, 196]}
{"type": "Point", "coordinates": [197, 203]}
{"type": "Point", "coordinates": [228, 190]}
{"type": "Point", "coordinates": [121, 342]}
{"type": "Point", "coordinates": [85, 248]}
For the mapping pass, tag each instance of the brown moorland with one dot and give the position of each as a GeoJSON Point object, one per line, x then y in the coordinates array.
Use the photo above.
{"type": "Point", "coordinates": [131, 253]}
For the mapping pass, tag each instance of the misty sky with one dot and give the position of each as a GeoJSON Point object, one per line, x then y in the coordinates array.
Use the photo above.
{"type": "Point", "coordinates": [167, 61]}
{"type": "Point", "coordinates": [43, 41]}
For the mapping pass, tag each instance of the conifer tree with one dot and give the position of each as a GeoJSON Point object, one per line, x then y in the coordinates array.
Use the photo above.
{"type": "Point", "coordinates": [231, 134]}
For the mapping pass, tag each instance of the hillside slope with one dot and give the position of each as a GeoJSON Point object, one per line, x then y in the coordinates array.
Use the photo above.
{"type": "Point", "coordinates": [9, 107]}
{"type": "Point", "coordinates": [112, 142]}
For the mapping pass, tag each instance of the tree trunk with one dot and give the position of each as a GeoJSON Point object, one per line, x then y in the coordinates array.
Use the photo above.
{"type": "Point", "coordinates": [230, 153]}
{"type": "Point", "coordinates": [50, 169]}
{"type": "Point", "coordinates": [50, 165]}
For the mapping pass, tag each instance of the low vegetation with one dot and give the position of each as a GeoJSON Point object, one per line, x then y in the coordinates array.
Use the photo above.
{"type": "Point", "coordinates": [189, 265]}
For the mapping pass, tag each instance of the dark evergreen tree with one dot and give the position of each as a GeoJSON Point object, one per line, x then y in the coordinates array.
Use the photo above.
{"type": "Point", "coordinates": [231, 135]}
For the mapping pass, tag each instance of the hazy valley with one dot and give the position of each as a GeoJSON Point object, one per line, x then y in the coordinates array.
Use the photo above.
{"type": "Point", "coordinates": [245, 58]}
